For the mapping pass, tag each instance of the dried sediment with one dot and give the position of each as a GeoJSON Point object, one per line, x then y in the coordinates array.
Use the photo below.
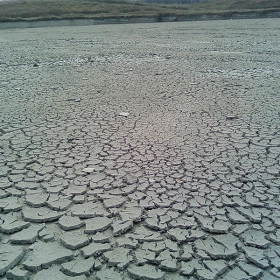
{"type": "Point", "coordinates": [142, 151]}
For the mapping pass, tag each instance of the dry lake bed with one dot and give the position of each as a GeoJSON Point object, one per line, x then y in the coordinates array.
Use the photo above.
{"type": "Point", "coordinates": [142, 151]}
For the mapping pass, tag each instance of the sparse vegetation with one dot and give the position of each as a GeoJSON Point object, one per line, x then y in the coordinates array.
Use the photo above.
{"type": "Point", "coordinates": [75, 9]}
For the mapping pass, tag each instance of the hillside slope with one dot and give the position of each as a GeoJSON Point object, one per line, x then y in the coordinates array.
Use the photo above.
{"type": "Point", "coordinates": [77, 9]}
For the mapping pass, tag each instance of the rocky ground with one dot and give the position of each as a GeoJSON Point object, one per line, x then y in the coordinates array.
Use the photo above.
{"type": "Point", "coordinates": [146, 151]}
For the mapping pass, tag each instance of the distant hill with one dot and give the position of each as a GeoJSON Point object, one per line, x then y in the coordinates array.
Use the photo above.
{"type": "Point", "coordinates": [176, 1]}
{"type": "Point", "coordinates": [34, 10]}
{"type": "Point", "coordinates": [238, 4]}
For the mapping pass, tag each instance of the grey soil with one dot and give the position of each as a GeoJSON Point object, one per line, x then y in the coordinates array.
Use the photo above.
{"type": "Point", "coordinates": [145, 151]}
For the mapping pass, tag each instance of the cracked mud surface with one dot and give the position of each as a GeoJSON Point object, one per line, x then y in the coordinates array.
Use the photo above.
{"type": "Point", "coordinates": [145, 151]}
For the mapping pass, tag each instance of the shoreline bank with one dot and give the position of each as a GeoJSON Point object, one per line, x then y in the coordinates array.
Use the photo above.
{"type": "Point", "coordinates": [128, 20]}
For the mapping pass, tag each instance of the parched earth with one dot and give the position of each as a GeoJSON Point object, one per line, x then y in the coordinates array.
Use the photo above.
{"type": "Point", "coordinates": [145, 151]}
